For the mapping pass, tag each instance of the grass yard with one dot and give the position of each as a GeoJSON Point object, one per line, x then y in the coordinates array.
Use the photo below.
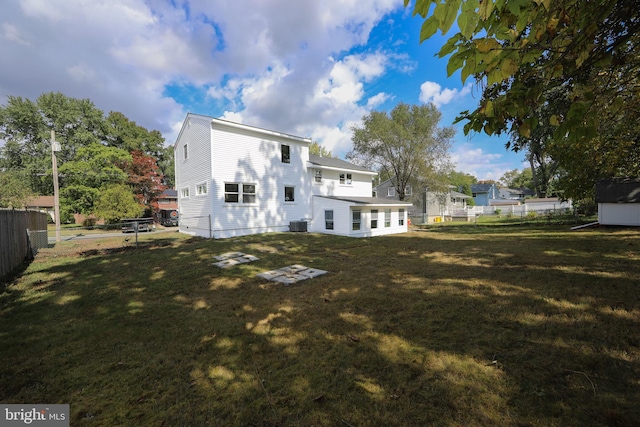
{"type": "Point", "coordinates": [453, 326]}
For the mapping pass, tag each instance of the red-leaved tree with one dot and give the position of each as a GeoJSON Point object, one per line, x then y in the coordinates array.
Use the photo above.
{"type": "Point", "coordinates": [145, 177]}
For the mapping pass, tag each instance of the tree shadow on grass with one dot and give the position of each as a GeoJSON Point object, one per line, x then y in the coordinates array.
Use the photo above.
{"type": "Point", "coordinates": [419, 329]}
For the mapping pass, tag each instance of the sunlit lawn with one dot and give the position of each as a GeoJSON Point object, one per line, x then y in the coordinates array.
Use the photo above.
{"type": "Point", "coordinates": [469, 325]}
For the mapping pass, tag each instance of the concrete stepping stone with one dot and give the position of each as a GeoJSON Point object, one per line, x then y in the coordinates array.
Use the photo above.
{"type": "Point", "coordinates": [289, 279]}
{"type": "Point", "coordinates": [310, 273]}
{"type": "Point", "coordinates": [293, 268]}
{"type": "Point", "coordinates": [226, 263]}
{"type": "Point", "coordinates": [270, 275]}
{"type": "Point", "coordinates": [229, 255]}
{"type": "Point", "coordinates": [247, 258]}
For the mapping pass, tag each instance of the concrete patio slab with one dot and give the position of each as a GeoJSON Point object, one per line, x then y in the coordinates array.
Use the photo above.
{"type": "Point", "coordinates": [291, 274]}
{"type": "Point", "coordinates": [288, 279]}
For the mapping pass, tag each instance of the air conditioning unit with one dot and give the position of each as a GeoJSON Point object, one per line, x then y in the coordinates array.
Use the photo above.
{"type": "Point", "coordinates": [298, 226]}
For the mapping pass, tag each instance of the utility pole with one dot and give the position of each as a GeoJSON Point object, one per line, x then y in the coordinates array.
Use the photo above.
{"type": "Point", "coordinates": [55, 146]}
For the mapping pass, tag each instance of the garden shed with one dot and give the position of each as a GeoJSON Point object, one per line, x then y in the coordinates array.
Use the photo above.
{"type": "Point", "coordinates": [618, 201]}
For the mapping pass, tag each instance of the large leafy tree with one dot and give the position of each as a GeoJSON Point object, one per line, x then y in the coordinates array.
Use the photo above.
{"type": "Point", "coordinates": [405, 144]}
{"type": "Point", "coordinates": [575, 60]}
{"type": "Point", "coordinates": [14, 191]}
{"type": "Point", "coordinates": [117, 202]}
{"type": "Point", "coordinates": [95, 148]}
{"type": "Point", "coordinates": [516, 178]}
{"type": "Point", "coordinates": [94, 168]}
{"type": "Point", "coordinates": [145, 177]}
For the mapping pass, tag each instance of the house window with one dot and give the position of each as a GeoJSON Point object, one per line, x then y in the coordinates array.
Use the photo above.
{"type": "Point", "coordinates": [286, 153]}
{"type": "Point", "coordinates": [201, 189]}
{"type": "Point", "coordinates": [391, 191]}
{"type": "Point", "coordinates": [232, 193]}
{"type": "Point", "coordinates": [328, 220]}
{"type": "Point", "coordinates": [318, 176]}
{"type": "Point", "coordinates": [374, 218]}
{"type": "Point", "coordinates": [474, 194]}
{"type": "Point", "coordinates": [289, 194]}
{"type": "Point", "coordinates": [345, 178]}
{"type": "Point", "coordinates": [248, 193]}
{"type": "Point", "coordinates": [185, 152]}
{"type": "Point", "coordinates": [184, 193]}
{"type": "Point", "coordinates": [356, 220]}
{"type": "Point", "coordinates": [387, 217]}
{"type": "Point", "coordinates": [401, 217]}
{"type": "Point", "coordinates": [407, 190]}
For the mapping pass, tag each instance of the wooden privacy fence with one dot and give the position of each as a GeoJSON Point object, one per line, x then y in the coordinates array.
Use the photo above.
{"type": "Point", "coordinates": [21, 234]}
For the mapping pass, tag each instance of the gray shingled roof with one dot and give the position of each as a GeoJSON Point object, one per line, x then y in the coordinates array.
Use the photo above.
{"type": "Point", "coordinates": [481, 188]}
{"type": "Point", "coordinates": [618, 190]}
{"type": "Point", "coordinates": [335, 163]}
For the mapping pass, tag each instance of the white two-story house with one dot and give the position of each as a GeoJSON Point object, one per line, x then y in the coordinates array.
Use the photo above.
{"type": "Point", "coordinates": [233, 179]}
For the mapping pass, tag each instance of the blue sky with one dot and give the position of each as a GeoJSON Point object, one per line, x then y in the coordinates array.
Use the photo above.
{"type": "Point", "coordinates": [309, 68]}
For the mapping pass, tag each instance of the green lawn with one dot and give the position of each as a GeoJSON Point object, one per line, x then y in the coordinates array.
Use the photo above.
{"type": "Point", "coordinates": [465, 325]}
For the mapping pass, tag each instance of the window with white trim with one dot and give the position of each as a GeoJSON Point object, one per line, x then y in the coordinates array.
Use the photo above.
{"type": "Point", "coordinates": [387, 217]}
{"type": "Point", "coordinates": [201, 189]}
{"type": "Point", "coordinates": [356, 220]}
{"type": "Point", "coordinates": [285, 151]}
{"type": "Point", "coordinates": [328, 220]}
{"type": "Point", "coordinates": [345, 179]}
{"type": "Point", "coordinates": [248, 193]}
{"type": "Point", "coordinates": [318, 176]}
{"type": "Point", "coordinates": [401, 217]}
{"type": "Point", "coordinates": [184, 193]}
{"type": "Point", "coordinates": [234, 192]}
{"type": "Point", "coordinates": [407, 190]}
{"type": "Point", "coordinates": [289, 193]}
{"type": "Point", "coordinates": [374, 218]}
{"type": "Point", "coordinates": [391, 191]}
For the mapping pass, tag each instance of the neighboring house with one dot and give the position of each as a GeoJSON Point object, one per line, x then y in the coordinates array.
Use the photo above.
{"type": "Point", "coordinates": [386, 190]}
{"type": "Point", "coordinates": [167, 213]}
{"type": "Point", "coordinates": [449, 206]}
{"type": "Point", "coordinates": [233, 179]}
{"type": "Point", "coordinates": [618, 201]}
{"type": "Point", "coordinates": [484, 193]}
{"type": "Point", "coordinates": [44, 204]}
{"type": "Point", "coordinates": [429, 206]}
{"type": "Point", "coordinates": [515, 193]}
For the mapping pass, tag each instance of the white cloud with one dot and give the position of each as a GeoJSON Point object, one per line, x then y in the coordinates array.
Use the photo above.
{"type": "Point", "coordinates": [479, 163]}
{"type": "Point", "coordinates": [11, 32]}
{"type": "Point", "coordinates": [433, 92]}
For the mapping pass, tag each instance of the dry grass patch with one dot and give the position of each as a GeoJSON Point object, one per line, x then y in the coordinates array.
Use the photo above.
{"type": "Point", "coordinates": [455, 326]}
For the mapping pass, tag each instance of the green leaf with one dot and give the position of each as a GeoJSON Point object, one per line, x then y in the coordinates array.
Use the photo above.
{"type": "Point", "coordinates": [456, 61]}
{"type": "Point", "coordinates": [451, 11]}
{"type": "Point", "coordinates": [468, 21]}
{"type": "Point", "coordinates": [429, 28]}
{"type": "Point", "coordinates": [553, 120]}
{"type": "Point", "coordinates": [486, 8]}
{"type": "Point", "coordinates": [449, 46]}
{"type": "Point", "coordinates": [469, 67]}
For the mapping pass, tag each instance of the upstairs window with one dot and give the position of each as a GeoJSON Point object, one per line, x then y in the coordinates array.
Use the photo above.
{"type": "Point", "coordinates": [318, 176]}
{"type": "Point", "coordinates": [286, 153]}
{"type": "Point", "coordinates": [345, 178]}
{"type": "Point", "coordinates": [184, 193]}
{"type": "Point", "coordinates": [391, 192]}
{"type": "Point", "coordinates": [185, 152]}
{"type": "Point", "coordinates": [407, 190]}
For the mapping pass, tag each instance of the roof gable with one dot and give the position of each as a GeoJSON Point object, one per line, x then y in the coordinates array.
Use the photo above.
{"type": "Point", "coordinates": [333, 162]}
